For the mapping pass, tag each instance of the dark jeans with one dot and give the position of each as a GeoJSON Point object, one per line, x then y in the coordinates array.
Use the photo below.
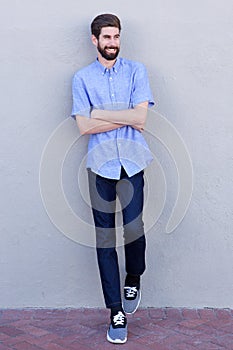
{"type": "Point", "coordinates": [103, 194]}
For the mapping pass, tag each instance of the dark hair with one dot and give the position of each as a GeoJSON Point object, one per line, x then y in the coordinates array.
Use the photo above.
{"type": "Point", "coordinates": [104, 20]}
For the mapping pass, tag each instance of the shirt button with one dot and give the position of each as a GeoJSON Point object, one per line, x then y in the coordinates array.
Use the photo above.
{"type": "Point", "coordinates": [110, 78]}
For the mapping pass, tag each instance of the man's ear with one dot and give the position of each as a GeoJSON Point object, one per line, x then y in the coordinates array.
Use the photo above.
{"type": "Point", "coordinates": [94, 40]}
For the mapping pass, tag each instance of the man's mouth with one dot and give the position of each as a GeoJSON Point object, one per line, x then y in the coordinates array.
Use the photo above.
{"type": "Point", "coordinates": [111, 49]}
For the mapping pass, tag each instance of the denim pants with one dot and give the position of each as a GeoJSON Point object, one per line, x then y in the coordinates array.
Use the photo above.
{"type": "Point", "coordinates": [103, 192]}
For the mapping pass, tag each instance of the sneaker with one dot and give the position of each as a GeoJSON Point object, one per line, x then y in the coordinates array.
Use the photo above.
{"type": "Point", "coordinates": [131, 299]}
{"type": "Point", "coordinates": [117, 332]}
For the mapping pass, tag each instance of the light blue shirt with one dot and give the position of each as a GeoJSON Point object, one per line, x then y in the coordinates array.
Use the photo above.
{"type": "Point", "coordinates": [123, 86]}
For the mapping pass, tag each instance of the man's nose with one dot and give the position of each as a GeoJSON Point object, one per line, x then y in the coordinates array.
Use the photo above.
{"type": "Point", "coordinates": [112, 42]}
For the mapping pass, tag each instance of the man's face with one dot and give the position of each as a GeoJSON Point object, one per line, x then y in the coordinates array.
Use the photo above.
{"type": "Point", "coordinates": [108, 43]}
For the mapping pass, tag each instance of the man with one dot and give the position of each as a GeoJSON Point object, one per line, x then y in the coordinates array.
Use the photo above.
{"type": "Point", "coordinates": [110, 101]}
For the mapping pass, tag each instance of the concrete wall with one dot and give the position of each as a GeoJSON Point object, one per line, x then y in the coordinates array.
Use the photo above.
{"type": "Point", "coordinates": [187, 48]}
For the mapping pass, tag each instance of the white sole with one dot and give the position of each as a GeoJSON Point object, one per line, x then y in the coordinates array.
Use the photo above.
{"type": "Point", "coordinates": [116, 341]}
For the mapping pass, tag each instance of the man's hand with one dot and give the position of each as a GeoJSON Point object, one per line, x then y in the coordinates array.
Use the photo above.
{"type": "Point", "coordinates": [138, 127]}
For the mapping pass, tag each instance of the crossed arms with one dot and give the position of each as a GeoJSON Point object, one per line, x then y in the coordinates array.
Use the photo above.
{"type": "Point", "coordinates": [106, 120]}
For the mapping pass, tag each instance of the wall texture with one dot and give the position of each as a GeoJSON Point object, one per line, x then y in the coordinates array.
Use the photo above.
{"type": "Point", "coordinates": [187, 48]}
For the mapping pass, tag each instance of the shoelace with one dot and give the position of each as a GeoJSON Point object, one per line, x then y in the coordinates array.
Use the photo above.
{"type": "Point", "coordinates": [119, 319]}
{"type": "Point", "coordinates": [131, 292]}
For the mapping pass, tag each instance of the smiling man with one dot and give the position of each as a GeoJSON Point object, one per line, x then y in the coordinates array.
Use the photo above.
{"type": "Point", "coordinates": [110, 101]}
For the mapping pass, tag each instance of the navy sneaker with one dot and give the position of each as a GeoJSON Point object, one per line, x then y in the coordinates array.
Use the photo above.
{"type": "Point", "coordinates": [117, 332]}
{"type": "Point", "coordinates": [131, 299]}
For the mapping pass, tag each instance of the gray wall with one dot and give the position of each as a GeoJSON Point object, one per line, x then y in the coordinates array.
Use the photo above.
{"type": "Point", "coordinates": [187, 48]}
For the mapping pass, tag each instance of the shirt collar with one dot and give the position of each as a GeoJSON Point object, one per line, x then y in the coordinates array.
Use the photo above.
{"type": "Point", "coordinates": [103, 69]}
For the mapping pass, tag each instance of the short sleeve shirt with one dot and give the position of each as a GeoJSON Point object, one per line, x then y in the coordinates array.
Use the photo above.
{"type": "Point", "coordinates": [122, 87]}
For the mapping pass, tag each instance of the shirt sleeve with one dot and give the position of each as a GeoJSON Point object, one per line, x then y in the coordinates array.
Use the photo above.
{"type": "Point", "coordinates": [81, 103]}
{"type": "Point", "coordinates": [141, 88]}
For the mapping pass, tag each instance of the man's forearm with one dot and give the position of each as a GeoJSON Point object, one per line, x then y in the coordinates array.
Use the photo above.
{"type": "Point", "coordinates": [133, 116]}
{"type": "Point", "coordinates": [95, 126]}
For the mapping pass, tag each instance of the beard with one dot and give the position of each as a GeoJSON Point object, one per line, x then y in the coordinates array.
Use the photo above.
{"type": "Point", "coordinates": [110, 56]}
